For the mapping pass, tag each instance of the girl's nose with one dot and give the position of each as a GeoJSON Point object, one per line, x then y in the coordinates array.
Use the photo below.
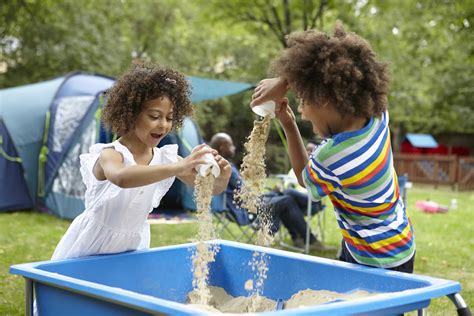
{"type": "Point", "coordinates": [162, 127]}
{"type": "Point", "coordinates": [300, 108]}
{"type": "Point", "coordinates": [164, 122]}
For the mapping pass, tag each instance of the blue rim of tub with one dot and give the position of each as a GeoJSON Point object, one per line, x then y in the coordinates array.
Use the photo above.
{"type": "Point", "coordinates": [435, 287]}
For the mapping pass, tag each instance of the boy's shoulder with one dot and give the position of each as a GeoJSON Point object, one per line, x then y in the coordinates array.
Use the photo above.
{"type": "Point", "coordinates": [347, 143]}
{"type": "Point", "coordinates": [331, 150]}
{"type": "Point", "coordinates": [324, 150]}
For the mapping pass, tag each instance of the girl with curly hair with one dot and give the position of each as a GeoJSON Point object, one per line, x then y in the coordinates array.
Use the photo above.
{"type": "Point", "coordinates": [127, 178]}
{"type": "Point", "coordinates": [343, 92]}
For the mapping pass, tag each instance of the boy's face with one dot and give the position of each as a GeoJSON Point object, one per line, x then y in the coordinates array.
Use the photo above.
{"type": "Point", "coordinates": [155, 121]}
{"type": "Point", "coordinates": [318, 115]}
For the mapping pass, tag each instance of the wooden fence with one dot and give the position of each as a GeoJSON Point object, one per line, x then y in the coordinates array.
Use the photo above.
{"type": "Point", "coordinates": [437, 169]}
{"type": "Point", "coordinates": [466, 173]}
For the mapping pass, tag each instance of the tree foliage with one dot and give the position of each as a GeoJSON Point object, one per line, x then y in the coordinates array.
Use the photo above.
{"type": "Point", "coordinates": [43, 39]}
{"type": "Point", "coordinates": [429, 46]}
{"type": "Point", "coordinates": [276, 17]}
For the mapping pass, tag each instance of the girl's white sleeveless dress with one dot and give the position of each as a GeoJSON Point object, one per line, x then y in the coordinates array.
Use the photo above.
{"type": "Point", "coordinates": [114, 219]}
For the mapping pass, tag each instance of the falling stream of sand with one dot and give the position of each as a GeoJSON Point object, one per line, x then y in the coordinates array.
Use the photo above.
{"type": "Point", "coordinates": [250, 197]}
{"type": "Point", "coordinates": [204, 253]}
{"type": "Point", "coordinates": [215, 299]}
{"type": "Point", "coordinates": [253, 167]}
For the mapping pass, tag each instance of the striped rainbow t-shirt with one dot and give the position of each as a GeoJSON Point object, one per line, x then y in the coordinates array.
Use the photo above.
{"type": "Point", "coordinates": [355, 169]}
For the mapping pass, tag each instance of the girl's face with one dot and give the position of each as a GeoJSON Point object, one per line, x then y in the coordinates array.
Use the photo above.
{"type": "Point", "coordinates": [155, 121]}
{"type": "Point", "coordinates": [318, 116]}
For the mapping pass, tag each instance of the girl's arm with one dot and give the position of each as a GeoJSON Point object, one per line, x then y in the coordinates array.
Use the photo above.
{"type": "Point", "coordinates": [110, 166]}
{"type": "Point", "coordinates": [296, 149]}
{"type": "Point", "coordinates": [189, 177]}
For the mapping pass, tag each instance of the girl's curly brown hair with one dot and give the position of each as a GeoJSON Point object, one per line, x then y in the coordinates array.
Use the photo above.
{"type": "Point", "coordinates": [341, 70]}
{"type": "Point", "coordinates": [144, 82]}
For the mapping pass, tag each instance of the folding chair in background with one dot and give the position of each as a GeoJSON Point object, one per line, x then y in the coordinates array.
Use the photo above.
{"type": "Point", "coordinates": [315, 218]}
{"type": "Point", "coordinates": [403, 185]}
{"type": "Point", "coordinates": [237, 223]}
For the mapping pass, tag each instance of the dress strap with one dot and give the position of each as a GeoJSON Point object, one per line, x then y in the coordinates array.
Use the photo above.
{"type": "Point", "coordinates": [127, 155]}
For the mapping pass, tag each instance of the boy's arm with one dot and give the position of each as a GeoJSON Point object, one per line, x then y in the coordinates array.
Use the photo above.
{"type": "Point", "coordinates": [296, 149]}
{"type": "Point", "coordinates": [275, 89]}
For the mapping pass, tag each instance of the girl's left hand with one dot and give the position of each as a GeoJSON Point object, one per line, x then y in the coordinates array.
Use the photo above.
{"type": "Point", "coordinates": [226, 169]}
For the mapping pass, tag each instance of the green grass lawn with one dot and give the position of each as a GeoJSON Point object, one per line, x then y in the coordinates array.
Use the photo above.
{"type": "Point", "coordinates": [445, 244]}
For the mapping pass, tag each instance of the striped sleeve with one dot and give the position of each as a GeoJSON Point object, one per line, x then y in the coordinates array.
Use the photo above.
{"type": "Point", "coordinates": [319, 180]}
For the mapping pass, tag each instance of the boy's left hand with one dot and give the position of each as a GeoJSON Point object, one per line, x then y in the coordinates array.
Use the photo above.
{"type": "Point", "coordinates": [284, 112]}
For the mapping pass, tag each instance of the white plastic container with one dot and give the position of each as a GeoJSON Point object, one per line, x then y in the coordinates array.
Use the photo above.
{"type": "Point", "coordinates": [264, 109]}
{"type": "Point", "coordinates": [454, 204]}
{"type": "Point", "coordinates": [211, 163]}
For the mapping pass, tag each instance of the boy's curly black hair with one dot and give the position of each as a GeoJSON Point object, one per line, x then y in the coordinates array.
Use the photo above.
{"type": "Point", "coordinates": [144, 82]}
{"type": "Point", "coordinates": [341, 69]}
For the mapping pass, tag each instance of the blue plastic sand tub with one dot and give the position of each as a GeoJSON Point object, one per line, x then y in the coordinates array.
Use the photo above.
{"type": "Point", "coordinates": [156, 281]}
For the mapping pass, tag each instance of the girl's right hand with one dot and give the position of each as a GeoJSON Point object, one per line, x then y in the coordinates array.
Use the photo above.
{"type": "Point", "coordinates": [186, 166]}
{"type": "Point", "coordinates": [269, 89]}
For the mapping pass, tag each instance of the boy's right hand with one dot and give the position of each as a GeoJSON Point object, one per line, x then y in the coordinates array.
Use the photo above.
{"type": "Point", "coordinates": [269, 89]}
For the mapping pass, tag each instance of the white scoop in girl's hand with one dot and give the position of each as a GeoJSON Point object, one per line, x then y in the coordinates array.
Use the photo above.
{"type": "Point", "coordinates": [264, 109]}
{"type": "Point", "coordinates": [210, 165]}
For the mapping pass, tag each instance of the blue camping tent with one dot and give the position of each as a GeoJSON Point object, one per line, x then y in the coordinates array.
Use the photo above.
{"type": "Point", "coordinates": [45, 126]}
{"type": "Point", "coordinates": [180, 196]}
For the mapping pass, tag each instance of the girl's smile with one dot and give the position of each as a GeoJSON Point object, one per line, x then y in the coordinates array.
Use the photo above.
{"type": "Point", "coordinates": [156, 136]}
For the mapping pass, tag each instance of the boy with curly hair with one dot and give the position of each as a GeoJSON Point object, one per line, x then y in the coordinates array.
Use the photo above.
{"type": "Point", "coordinates": [343, 92]}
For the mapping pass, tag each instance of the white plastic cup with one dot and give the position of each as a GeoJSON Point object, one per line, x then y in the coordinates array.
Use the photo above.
{"type": "Point", "coordinates": [211, 163]}
{"type": "Point", "coordinates": [264, 109]}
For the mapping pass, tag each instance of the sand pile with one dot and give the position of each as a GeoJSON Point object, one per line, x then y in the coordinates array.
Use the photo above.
{"type": "Point", "coordinates": [250, 197]}
{"type": "Point", "coordinates": [222, 302]}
